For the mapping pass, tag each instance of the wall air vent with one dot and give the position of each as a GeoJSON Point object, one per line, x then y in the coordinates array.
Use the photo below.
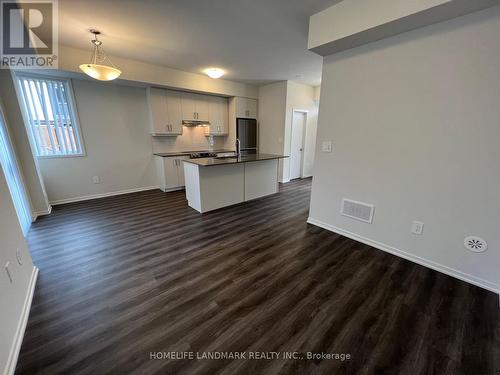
{"type": "Point", "coordinates": [475, 244]}
{"type": "Point", "coordinates": [357, 210]}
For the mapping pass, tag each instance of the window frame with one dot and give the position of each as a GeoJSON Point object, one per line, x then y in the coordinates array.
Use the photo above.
{"type": "Point", "coordinates": [17, 77]}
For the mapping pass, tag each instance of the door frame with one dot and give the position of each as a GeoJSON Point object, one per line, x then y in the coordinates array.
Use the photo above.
{"type": "Point", "coordinates": [304, 131]}
{"type": "Point", "coordinates": [22, 184]}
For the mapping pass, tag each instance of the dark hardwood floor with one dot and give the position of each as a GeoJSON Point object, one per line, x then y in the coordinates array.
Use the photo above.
{"type": "Point", "coordinates": [127, 276]}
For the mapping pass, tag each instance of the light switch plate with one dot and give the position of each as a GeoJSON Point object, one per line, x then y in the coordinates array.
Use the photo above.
{"type": "Point", "coordinates": [326, 146]}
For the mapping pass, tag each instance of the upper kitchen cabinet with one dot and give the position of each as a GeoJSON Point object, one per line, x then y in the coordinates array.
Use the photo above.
{"type": "Point", "coordinates": [165, 111]}
{"type": "Point", "coordinates": [218, 116]}
{"type": "Point", "coordinates": [246, 108]}
{"type": "Point", "coordinates": [194, 107]}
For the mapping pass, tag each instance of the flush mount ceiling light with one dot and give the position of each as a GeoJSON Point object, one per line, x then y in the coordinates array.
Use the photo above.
{"type": "Point", "coordinates": [214, 72]}
{"type": "Point", "coordinates": [97, 68]}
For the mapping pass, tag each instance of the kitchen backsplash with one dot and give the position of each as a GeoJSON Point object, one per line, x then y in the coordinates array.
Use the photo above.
{"type": "Point", "coordinates": [192, 139]}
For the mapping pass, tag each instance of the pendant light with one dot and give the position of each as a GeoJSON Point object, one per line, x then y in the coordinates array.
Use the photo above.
{"type": "Point", "coordinates": [97, 67]}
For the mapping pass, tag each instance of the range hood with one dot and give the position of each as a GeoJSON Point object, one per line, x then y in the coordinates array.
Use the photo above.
{"type": "Point", "coordinates": [193, 123]}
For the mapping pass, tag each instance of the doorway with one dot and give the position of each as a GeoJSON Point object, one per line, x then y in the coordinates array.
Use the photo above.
{"type": "Point", "coordinates": [299, 120]}
{"type": "Point", "coordinates": [13, 176]}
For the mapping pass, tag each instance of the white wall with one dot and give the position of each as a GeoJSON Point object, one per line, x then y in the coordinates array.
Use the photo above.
{"type": "Point", "coordinates": [415, 124]}
{"type": "Point", "coordinates": [27, 163]}
{"type": "Point", "coordinates": [272, 112]}
{"type": "Point", "coordinates": [276, 104]}
{"type": "Point", "coordinates": [149, 74]}
{"type": "Point", "coordinates": [317, 93]}
{"type": "Point", "coordinates": [351, 17]}
{"type": "Point", "coordinates": [352, 23]}
{"type": "Point", "coordinates": [115, 124]}
{"type": "Point", "coordinates": [12, 295]}
{"type": "Point", "coordinates": [301, 97]}
{"type": "Point", "coordinates": [114, 120]}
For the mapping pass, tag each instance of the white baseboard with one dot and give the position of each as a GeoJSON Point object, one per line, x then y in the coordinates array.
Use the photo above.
{"type": "Point", "coordinates": [173, 189]}
{"type": "Point", "coordinates": [41, 213]}
{"type": "Point", "coordinates": [414, 258]}
{"type": "Point", "coordinates": [101, 195]}
{"type": "Point", "coordinates": [21, 326]}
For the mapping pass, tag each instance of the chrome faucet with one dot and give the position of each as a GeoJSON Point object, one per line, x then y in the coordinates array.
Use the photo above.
{"type": "Point", "coordinates": [238, 147]}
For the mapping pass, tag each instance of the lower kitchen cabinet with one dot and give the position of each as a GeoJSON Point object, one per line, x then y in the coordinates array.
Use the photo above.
{"type": "Point", "coordinates": [170, 172]}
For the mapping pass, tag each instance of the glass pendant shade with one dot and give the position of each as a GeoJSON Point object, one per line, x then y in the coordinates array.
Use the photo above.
{"type": "Point", "coordinates": [97, 68]}
{"type": "Point", "coordinates": [100, 72]}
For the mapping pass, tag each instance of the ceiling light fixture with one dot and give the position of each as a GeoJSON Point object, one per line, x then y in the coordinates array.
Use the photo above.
{"type": "Point", "coordinates": [97, 67]}
{"type": "Point", "coordinates": [214, 72]}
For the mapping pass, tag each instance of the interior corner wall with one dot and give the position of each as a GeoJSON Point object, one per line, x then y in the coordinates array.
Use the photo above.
{"type": "Point", "coordinates": [114, 122]}
{"type": "Point", "coordinates": [276, 104]}
{"type": "Point", "coordinates": [14, 295]}
{"type": "Point", "coordinates": [272, 111]}
{"type": "Point", "coordinates": [300, 97]}
{"type": "Point", "coordinates": [415, 125]}
{"type": "Point", "coordinates": [28, 163]}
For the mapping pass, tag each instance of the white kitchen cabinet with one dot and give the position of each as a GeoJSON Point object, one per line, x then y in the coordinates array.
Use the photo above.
{"type": "Point", "coordinates": [218, 116]}
{"type": "Point", "coordinates": [174, 109]}
{"type": "Point", "coordinates": [165, 112]}
{"type": "Point", "coordinates": [170, 172]}
{"type": "Point", "coordinates": [194, 107]}
{"type": "Point", "coordinates": [246, 108]}
{"type": "Point", "coordinates": [202, 107]}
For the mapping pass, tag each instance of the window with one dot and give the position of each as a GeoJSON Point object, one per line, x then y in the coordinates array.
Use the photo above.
{"type": "Point", "coordinates": [50, 116]}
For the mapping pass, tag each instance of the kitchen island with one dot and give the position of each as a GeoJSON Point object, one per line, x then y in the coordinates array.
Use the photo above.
{"type": "Point", "coordinates": [213, 183]}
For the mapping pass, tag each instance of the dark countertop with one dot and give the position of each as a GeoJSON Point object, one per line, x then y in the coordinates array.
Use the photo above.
{"type": "Point", "coordinates": [186, 153]}
{"type": "Point", "coordinates": [207, 162]}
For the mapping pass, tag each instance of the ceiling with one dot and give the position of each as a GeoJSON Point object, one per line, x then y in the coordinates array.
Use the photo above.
{"type": "Point", "coordinates": [255, 41]}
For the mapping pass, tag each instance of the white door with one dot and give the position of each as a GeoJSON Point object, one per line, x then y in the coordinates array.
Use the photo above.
{"type": "Point", "coordinates": [297, 144]}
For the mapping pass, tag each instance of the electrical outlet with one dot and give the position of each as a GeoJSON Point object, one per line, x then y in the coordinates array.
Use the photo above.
{"type": "Point", "coordinates": [417, 227]}
{"type": "Point", "coordinates": [326, 146]}
{"type": "Point", "coordinates": [96, 179]}
{"type": "Point", "coordinates": [18, 257]}
{"type": "Point", "coordinates": [7, 265]}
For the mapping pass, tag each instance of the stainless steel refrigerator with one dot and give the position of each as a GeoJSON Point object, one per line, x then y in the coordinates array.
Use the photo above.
{"type": "Point", "coordinates": [246, 132]}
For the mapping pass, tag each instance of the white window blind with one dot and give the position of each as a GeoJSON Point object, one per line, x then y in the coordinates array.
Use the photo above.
{"type": "Point", "coordinates": [50, 116]}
